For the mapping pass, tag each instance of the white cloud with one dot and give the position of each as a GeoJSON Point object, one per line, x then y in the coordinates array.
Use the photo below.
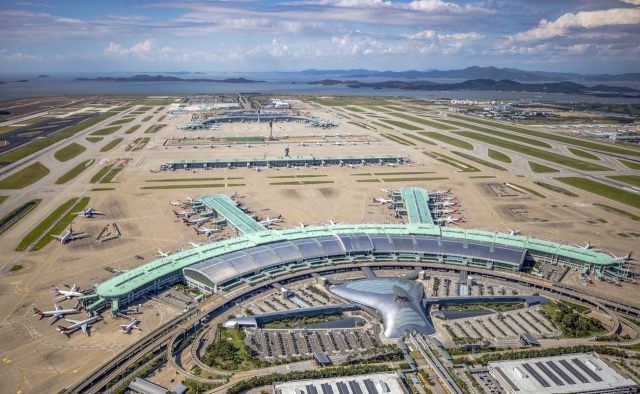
{"type": "Point", "coordinates": [636, 2]}
{"type": "Point", "coordinates": [18, 57]}
{"type": "Point", "coordinates": [36, 4]}
{"type": "Point", "coordinates": [462, 36]}
{"type": "Point", "coordinates": [425, 34]}
{"type": "Point", "coordinates": [367, 52]}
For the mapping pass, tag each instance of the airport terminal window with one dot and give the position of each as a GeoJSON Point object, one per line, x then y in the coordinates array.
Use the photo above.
{"type": "Point", "coordinates": [198, 277]}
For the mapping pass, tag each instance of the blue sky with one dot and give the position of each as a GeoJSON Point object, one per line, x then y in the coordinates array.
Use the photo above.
{"type": "Point", "coordinates": [587, 36]}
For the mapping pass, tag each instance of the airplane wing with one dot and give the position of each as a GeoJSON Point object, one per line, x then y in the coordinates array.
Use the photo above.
{"type": "Point", "coordinates": [78, 236]}
{"type": "Point", "coordinates": [57, 298]}
{"type": "Point", "coordinates": [97, 213]}
{"type": "Point", "coordinates": [73, 321]}
{"type": "Point", "coordinates": [58, 308]}
{"type": "Point", "coordinates": [59, 238]}
{"type": "Point", "coordinates": [84, 328]}
{"type": "Point", "coordinates": [55, 316]}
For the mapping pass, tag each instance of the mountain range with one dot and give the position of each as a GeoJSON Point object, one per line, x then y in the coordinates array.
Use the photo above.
{"type": "Point", "coordinates": [162, 78]}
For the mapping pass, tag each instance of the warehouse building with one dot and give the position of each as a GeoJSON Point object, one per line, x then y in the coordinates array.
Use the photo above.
{"type": "Point", "coordinates": [377, 383]}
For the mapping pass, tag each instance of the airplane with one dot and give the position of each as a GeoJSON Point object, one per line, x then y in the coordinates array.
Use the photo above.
{"type": "Point", "coordinates": [189, 198]}
{"type": "Point", "coordinates": [333, 223]}
{"type": "Point", "coordinates": [319, 144]}
{"type": "Point", "coordinates": [385, 190]}
{"type": "Point", "coordinates": [337, 135]}
{"type": "Point", "coordinates": [66, 294]}
{"type": "Point", "coordinates": [302, 224]}
{"type": "Point", "coordinates": [84, 324]}
{"type": "Point", "coordinates": [447, 204]}
{"type": "Point", "coordinates": [350, 135]}
{"type": "Point", "coordinates": [248, 146]}
{"type": "Point", "coordinates": [88, 213]}
{"type": "Point", "coordinates": [513, 232]}
{"type": "Point", "coordinates": [154, 172]}
{"type": "Point", "coordinates": [271, 221]}
{"type": "Point", "coordinates": [302, 144]}
{"type": "Point", "coordinates": [381, 200]}
{"type": "Point", "coordinates": [58, 313]}
{"type": "Point", "coordinates": [586, 247]}
{"type": "Point", "coordinates": [450, 198]}
{"type": "Point", "coordinates": [175, 204]}
{"type": "Point", "coordinates": [622, 258]}
{"type": "Point", "coordinates": [324, 135]}
{"type": "Point", "coordinates": [445, 211]}
{"type": "Point", "coordinates": [449, 220]}
{"type": "Point", "coordinates": [440, 192]}
{"type": "Point", "coordinates": [233, 195]}
{"type": "Point", "coordinates": [162, 254]}
{"type": "Point", "coordinates": [207, 231]}
{"type": "Point", "coordinates": [185, 213]}
{"type": "Point", "coordinates": [67, 237]}
{"type": "Point", "coordinates": [337, 143]}
{"type": "Point", "coordinates": [126, 329]}
{"type": "Point", "coordinates": [197, 222]}
{"type": "Point", "coordinates": [195, 245]}
{"type": "Point", "coordinates": [311, 134]}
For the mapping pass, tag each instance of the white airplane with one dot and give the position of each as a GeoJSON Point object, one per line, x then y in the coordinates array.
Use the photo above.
{"type": "Point", "coordinates": [440, 192]}
{"type": "Point", "coordinates": [385, 190]}
{"type": "Point", "coordinates": [324, 135]}
{"type": "Point", "coordinates": [513, 232]}
{"type": "Point", "coordinates": [84, 324]}
{"type": "Point", "coordinates": [302, 144]}
{"type": "Point", "coordinates": [312, 135]}
{"type": "Point", "coordinates": [189, 198]}
{"type": "Point", "coordinates": [88, 213]}
{"type": "Point", "coordinates": [622, 258]}
{"type": "Point", "coordinates": [337, 143]}
{"type": "Point", "coordinates": [162, 254]}
{"type": "Point", "coordinates": [588, 246]}
{"type": "Point", "coordinates": [350, 135]}
{"type": "Point", "coordinates": [207, 231]}
{"type": "Point", "coordinates": [381, 200]}
{"type": "Point", "coordinates": [333, 223]}
{"type": "Point", "coordinates": [337, 135]}
{"type": "Point", "coordinates": [175, 204]}
{"type": "Point", "coordinates": [66, 294]}
{"type": "Point", "coordinates": [449, 220]}
{"type": "Point", "coordinates": [197, 222]}
{"type": "Point", "coordinates": [69, 236]}
{"type": "Point", "coordinates": [302, 224]}
{"type": "Point", "coordinates": [271, 221]}
{"type": "Point", "coordinates": [248, 146]}
{"type": "Point", "coordinates": [195, 245]}
{"type": "Point", "coordinates": [445, 211]}
{"type": "Point", "coordinates": [319, 144]}
{"type": "Point", "coordinates": [450, 198]}
{"type": "Point", "coordinates": [447, 204]}
{"type": "Point", "coordinates": [233, 195]}
{"type": "Point", "coordinates": [58, 313]}
{"type": "Point", "coordinates": [126, 329]}
{"type": "Point", "coordinates": [185, 213]}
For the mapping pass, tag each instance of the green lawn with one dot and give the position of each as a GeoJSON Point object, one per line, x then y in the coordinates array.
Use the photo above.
{"type": "Point", "coordinates": [101, 173]}
{"type": "Point", "coordinates": [402, 125]}
{"type": "Point", "coordinates": [17, 214]}
{"type": "Point", "coordinates": [74, 172]}
{"type": "Point", "coordinates": [3, 199]}
{"type": "Point", "coordinates": [111, 145]}
{"type": "Point", "coordinates": [93, 140]}
{"type": "Point", "coordinates": [425, 122]}
{"type": "Point", "coordinates": [620, 211]}
{"type": "Point", "coordinates": [59, 228]}
{"type": "Point", "coordinates": [106, 131]}
{"type": "Point", "coordinates": [415, 137]}
{"type": "Point", "coordinates": [502, 134]}
{"type": "Point", "coordinates": [540, 169]}
{"type": "Point", "coordinates": [132, 129]}
{"type": "Point", "coordinates": [480, 161]}
{"type": "Point", "coordinates": [28, 149]}
{"type": "Point", "coordinates": [144, 109]}
{"type": "Point", "coordinates": [8, 129]}
{"type": "Point", "coordinates": [603, 190]}
{"type": "Point", "coordinates": [147, 118]}
{"type": "Point", "coordinates": [464, 167]}
{"type": "Point", "coordinates": [43, 225]}
{"type": "Point", "coordinates": [630, 164]}
{"type": "Point", "coordinates": [189, 179]}
{"type": "Point", "coordinates": [556, 189]}
{"type": "Point", "coordinates": [346, 100]}
{"type": "Point", "coordinates": [397, 139]}
{"type": "Point", "coordinates": [121, 121]}
{"type": "Point", "coordinates": [102, 189]}
{"type": "Point", "coordinates": [633, 180]}
{"type": "Point", "coordinates": [583, 154]}
{"type": "Point", "coordinates": [69, 152]}
{"type": "Point", "coordinates": [534, 152]}
{"type": "Point", "coordinates": [193, 186]}
{"type": "Point", "coordinates": [495, 155]}
{"type": "Point", "coordinates": [24, 177]}
{"type": "Point", "coordinates": [553, 137]}
{"type": "Point", "coordinates": [448, 140]}
{"type": "Point", "coordinates": [354, 109]}
{"type": "Point", "coordinates": [529, 190]}
{"type": "Point", "coordinates": [83, 125]}
{"type": "Point", "coordinates": [416, 179]}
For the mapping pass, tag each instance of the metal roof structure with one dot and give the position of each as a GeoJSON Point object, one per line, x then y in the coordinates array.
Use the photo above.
{"type": "Point", "coordinates": [417, 203]}
{"type": "Point", "coordinates": [227, 208]}
{"type": "Point", "coordinates": [282, 161]}
{"type": "Point", "coordinates": [146, 387]}
{"type": "Point", "coordinates": [265, 318]}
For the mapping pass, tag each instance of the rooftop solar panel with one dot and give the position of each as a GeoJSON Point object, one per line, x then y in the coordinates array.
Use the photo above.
{"type": "Point", "coordinates": [311, 389]}
{"type": "Point", "coordinates": [326, 389]}
{"type": "Point", "coordinates": [371, 388]}
{"type": "Point", "coordinates": [587, 370]}
{"type": "Point", "coordinates": [550, 374]}
{"type": "Point", "coordinates": [560, 372]}
{"type": "Point", "coordinates": [342, 388]}
{"type": "Point", "coordinates": [536, 375]}
{"type": "Point", "coordinates": [575, 373]}
{"type": "Point", "coordinates": [355, 387]}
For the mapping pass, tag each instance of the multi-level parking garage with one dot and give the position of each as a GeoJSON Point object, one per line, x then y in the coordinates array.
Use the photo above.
{"type": "Point", "coordinates": [259, 256]}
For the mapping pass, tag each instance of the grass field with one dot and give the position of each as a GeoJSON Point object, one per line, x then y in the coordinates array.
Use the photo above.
{"type": "Point", "coordinates": [534, 152]}
{"type": "Point", "coordinates": [106, 131]}
{"type": "Point", "coordinates": [191, 186]}
{"type": "Point", "coordinates": [630, 164]}
{"type": "Point", "coordinates": [495, 155]}
{"type": "Point", "coordinates": [464, 167]}
{"type": "Point", "coordinates": [448, 140]}
{"type": "Point", "coordinates": [111, 145]}
{"type": "Point", "coordinates": [359, 101]}
{"type": "Point", "coordinates": [297, 176]}
{"type": "Point", "coordinates": [397, 139]}
{"type": "Point", "coordinates": [384, 126]}
{"type": "Point", "coordinates": [354, 109]}
{"type": "Point", "coordinates": [101, 173]}
{"type": "Point", "coordinates": [111, 174]}
{"type": "Point", "coordinates": [74, 172]}
{"type": "Point", "coordinates": [603, 190]}
{"type": "Point", "coordinates": [147, 118]}
{"type": "Point", "coordinates": [144, 109]}
{"type": "Point", "coordinates": [425, 122]}
{"type": "Point", "coordinates": [415, 179]}
{"type": "Point", "coordinates": [43, 225]}
{"type": "Point", "coordinates": [553, 137]}
{"type": "Point", "coordinates": [59, 228]}
{"type": "Point", "coordinates": [121, 121]}
{"type": "Point", "coordinates": [17, 214]}
{"type": "Point", "coordinates": [301, 183]}
{"type": "Point", "coordinates": [415, 137]}
{"type": "Point", "coordinates": [620, 211]}
{"type": "Point", "coordinates": [529, 190]}
{"type": "Point", "coordinates": [132, 129]}
{"type": "Point", "coordinates": [83, 125]}
{"type": "Point", "coordinates": [186, 180]}
{"type": "Point", "coordinates": [102, 189]}
{"type": "Point", "coordinates": [24, 177]}
{"type": "Point", "coordinates": [149, 129]}
{"type": "Point", "coordinates": [411, 106]}
{"type": "Point", "coordinates": [501, 134]}
{"type": "Point", "coordinates": [633, 180]}
{"type": "Point", "coordinates": [540, 169]}
{"type": "Point", "coordinates": [482, 177]}
{"type": "Point", "coordinates": [480, 161]}
{"type": "Point", "coordinates": [556, 189]}
{"type": "Point", "coordinates": [8, 129]}
{"type": "Point", "coordinates": [3, 199]}
{"type": "Point", "coordinates": [69, 152]}
{"type": "Point", "coordinates": [93, 140]}
{"type": "Point", "coordinates": [583, 154]}
{"type": "Point", "coordinates": [28, 149]}
{"type": "Point", "coordinates": [402, 125]}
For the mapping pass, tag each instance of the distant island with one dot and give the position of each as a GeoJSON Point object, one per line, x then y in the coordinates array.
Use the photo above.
{"type": "Point", "coordinates": [162, 78]}
{"type": "Point", "coordinates": [22, 80]}
{"type": "Point", "coordinates": [2, 83]}
{"type": "Point", "coordinates": [490, 85]}
{"type": "Point", "coordinates": [43, 76]}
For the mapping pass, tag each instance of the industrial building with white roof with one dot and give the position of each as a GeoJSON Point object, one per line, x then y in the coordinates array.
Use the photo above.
{"type": "Point", "coordinates": [377, 383]}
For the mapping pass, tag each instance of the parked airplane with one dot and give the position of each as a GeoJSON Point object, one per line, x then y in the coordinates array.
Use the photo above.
{"type": "Point", "coordinates": [445, 211]}
{"type": "Point", "coordinates": [449, 220]}
{"type": "Point", "coordinates": [197, 222]}
{"type": "Point", "coordinates": [185, 213]}
{"type": "Point", "coordinates": [233, 195]}
{"type": "Point", "coordinates": [66, 294]}
{"type": "Point", "coordinates": [58, 313]}
{"type": "Point", "coordinates": [588, 246]}
{"type": "Point", "coordinates": [88, 213]}
{"type": "Point", "coordinates": [333, 223]}
{"type": "Point", "coordinates": [513, 232]}
{"type": "Point", "coordinates": [622, 258]}
{"type": "Point", "coordinates": [385, 190]}
{"type": "Point", "coordinates": [189, 198]}
{"type": "Point", "coordinates": [126, 329]}
{"type": "Point", "coordinates": [195, 245]}
{"type": "Point", "coordinates": [271, 221]}
{"type": "Point", "coordinates": [440, 192]}
{"type": "Point", "coordinates": [207, 231]}
{"type": "Point", "coordinates": [69, 236]}
{"type": "Point", "coordinates": [162, 254]}
{"type": "Point", "coordinates": [447, 204]}
{"type": "Point", "coordinates": [84, 324]}
{"type": "Point", "coordinates": [175, 204]}
{"type": "Point", "coordinates": [381, 200]}
{"type": "Point", "coordinates": [337, 143]}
